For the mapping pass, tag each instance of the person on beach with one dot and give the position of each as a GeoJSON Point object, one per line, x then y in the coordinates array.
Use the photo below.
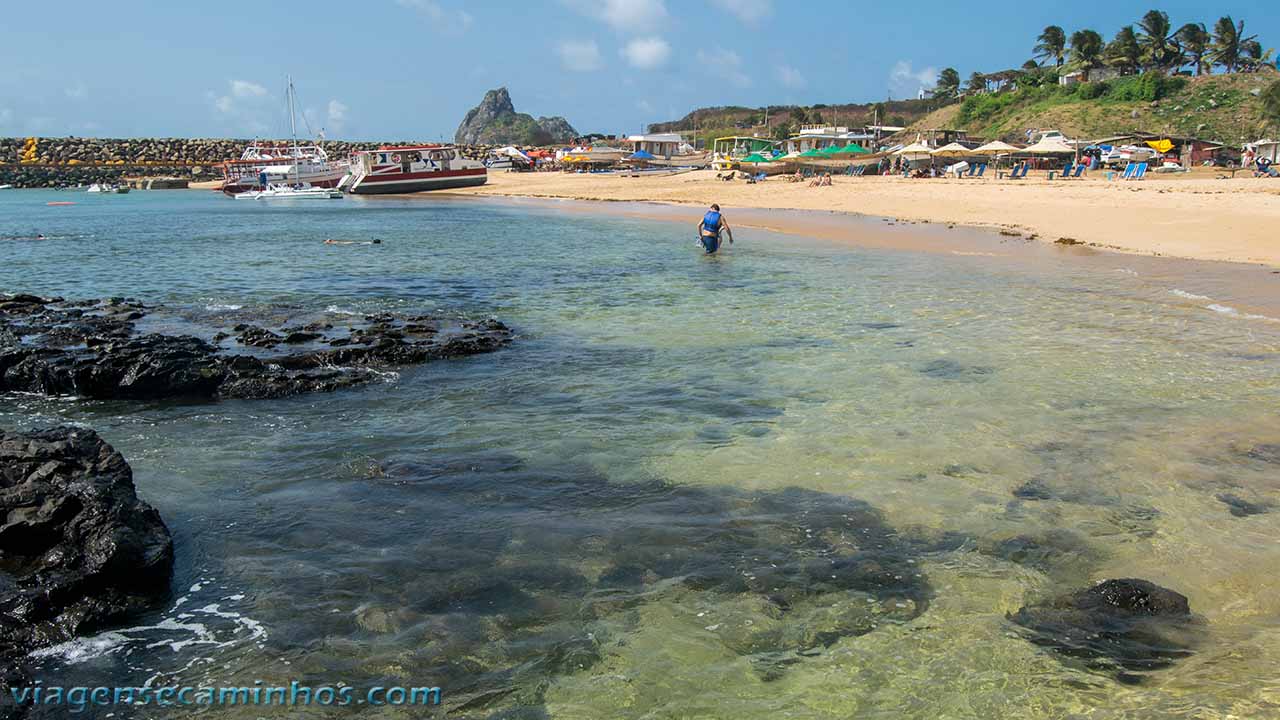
{"type": "Point", "coordinates": [709, 229]}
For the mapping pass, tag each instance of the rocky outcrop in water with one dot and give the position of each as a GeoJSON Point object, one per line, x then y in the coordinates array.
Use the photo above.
{"type": "Point", "coordinates": [1127, 626]}
{"type": "Point", "coordinates": [77, 548]}
{"type": "Point", "coordinates": [96, 349]}
{"type": "Point", "coordinates": [495, 122]}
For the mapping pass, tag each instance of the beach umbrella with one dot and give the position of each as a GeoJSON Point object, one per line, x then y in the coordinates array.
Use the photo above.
{"type": "Point", "coordinates": [1049, 146]}
{"type": "Point", "coordinates": [915, 150]}
{"type": "Point", "coordinates": [830, 150]}
{"type": "Point", "coordinates": [995, 147]}
{"type": "Point", "coordinates": [811, 153]}
{"type": "Point", "coordinates": [852, 148]}
{"type": "Point", "coordinates": [954, 149]}
{"type": "Point", "coordinates": [754, 158]}
{"type": "Point", "coordinates": [641, 155]}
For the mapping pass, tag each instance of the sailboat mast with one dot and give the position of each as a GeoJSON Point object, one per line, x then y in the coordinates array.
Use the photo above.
{"type": "Point", "coordinates": [293, 130]}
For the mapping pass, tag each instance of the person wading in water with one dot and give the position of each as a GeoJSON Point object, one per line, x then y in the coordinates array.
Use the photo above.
{"type": "Point", "coordinates": [709, 229]}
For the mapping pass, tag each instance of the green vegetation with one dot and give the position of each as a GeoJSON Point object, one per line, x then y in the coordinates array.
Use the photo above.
{"type": "Point", "coordinates": [1270, 100]}
{"type": "Point", "coordinates": [1136, 88]}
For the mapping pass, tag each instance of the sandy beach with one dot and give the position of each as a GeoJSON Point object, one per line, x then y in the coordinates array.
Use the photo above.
{"type": "Point", "coordinates": [1196, 215]}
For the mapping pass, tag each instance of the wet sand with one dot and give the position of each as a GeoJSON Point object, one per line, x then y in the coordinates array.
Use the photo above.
{"type": "Point", "coordinates": [1193, 216]}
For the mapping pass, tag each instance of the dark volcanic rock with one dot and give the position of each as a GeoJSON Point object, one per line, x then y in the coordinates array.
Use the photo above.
{"type": "Point", "coordinates": [92, 349]}
{"type": "Point", "coordinates": [1126, 625]}
{"type": "Point", "coordinates": [1241, 507]}
{"type": "Point", "coordinates": [495, 122]}
{"type": "Point", "coordinates": [78, 549]}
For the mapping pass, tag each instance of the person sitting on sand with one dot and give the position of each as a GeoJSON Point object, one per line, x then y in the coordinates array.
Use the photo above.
{"type": "Point", "coordinates": [709, 229]}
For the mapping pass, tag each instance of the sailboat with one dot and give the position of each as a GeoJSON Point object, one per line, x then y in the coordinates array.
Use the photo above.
{"type": "Point", "coordinates": [296, 190]}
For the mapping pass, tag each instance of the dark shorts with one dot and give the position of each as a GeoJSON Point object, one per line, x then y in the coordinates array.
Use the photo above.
{"type": "Point", "coordinates": [710, 243]}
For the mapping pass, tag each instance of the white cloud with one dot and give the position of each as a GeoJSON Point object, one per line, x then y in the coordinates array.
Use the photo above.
{"type": "Point", "coordinates": [790, 77]}
{"type": "Point", "coordinates": [647, 53]}
{"type": "Point", "coordinates": [748, 11]}
{"type": "Point", "coordinates": [336, 120]}
{"type": "Point", "coordinates": [624, 15]}
{"type": "Point", "coordinates": [246, 89]}
{"type": "Point", "coordinates": [579, 56]}
{"type": "Point", "coordinates": [905, 81]}
{"type": "Point", "coordinates": [440, 17]}
{"type": "Point", "coordinates": [725, 64]}
{"type": "Point", "coordinates": [224, 104]}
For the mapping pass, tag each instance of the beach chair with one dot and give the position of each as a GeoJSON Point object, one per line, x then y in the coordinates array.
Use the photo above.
{"type": "Point", "coordinates": [1129, 170]}
{"type": "Point", "coordinates": [1066, 172]}
{"type": "Point", "coordinates": [1079, 169]}
{"type": "Point", "coordinates": [1139, 171]}
{"type": "Point", "coordinates": [982, 167]}
{"type": "Point", "coordinates": [1019, 171]}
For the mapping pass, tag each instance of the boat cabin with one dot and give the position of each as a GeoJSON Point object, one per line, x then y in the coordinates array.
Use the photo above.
{"type": "Point", "coordinates": [818, 137]}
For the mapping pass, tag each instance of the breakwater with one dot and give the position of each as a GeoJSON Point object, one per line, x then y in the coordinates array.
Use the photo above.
{"type": "Point", "coordinates": [59, 162]}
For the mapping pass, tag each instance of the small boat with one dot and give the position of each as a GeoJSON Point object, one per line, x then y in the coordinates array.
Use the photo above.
{"type": "Point", "coordinates": [6, 187]}
{"type": "Point", "coordinates": [296, 191]}
{"type": "Point", "coordinates": [413, 168]}
{"type": "Point", "coordinates": [121, 189]}
{"type": "Point", "coordinates": [99, 188]}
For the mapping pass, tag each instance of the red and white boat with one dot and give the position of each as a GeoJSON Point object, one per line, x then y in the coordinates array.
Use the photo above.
{"type": "Point", "coordinates": [411, 168]}
{"type": "Point", "coordinates": [264, 163]}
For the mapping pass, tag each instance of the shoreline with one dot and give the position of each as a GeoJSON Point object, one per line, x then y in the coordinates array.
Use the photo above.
{"type": "Point", "coordinates": [1199, 217]}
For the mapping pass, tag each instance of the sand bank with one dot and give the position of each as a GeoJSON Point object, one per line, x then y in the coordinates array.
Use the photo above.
{"type": "Point", "coordinates": [1192, 216]}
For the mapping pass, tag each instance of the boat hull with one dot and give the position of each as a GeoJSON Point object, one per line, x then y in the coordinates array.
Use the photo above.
{"type": "Point", "coordinates": [249, 182]}
{"type": "Point", "coordinates": [416, 182]}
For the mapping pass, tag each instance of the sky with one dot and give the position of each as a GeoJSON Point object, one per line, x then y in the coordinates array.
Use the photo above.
{"type": "Point", "coordinates": [410, 69]}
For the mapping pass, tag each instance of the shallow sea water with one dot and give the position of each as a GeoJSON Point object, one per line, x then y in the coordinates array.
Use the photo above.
{"type": "Point", "coordinates": [578, 526]}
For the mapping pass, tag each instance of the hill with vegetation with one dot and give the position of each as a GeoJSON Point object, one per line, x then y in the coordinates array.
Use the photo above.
{"type": "Point", "coordinates": [1228, 108]}
{"type": "Point", "coordinates": [1217, 83]}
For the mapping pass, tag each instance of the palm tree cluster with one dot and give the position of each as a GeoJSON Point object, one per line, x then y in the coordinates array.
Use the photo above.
{"type": "Point", "coordinates": [1154, 45]}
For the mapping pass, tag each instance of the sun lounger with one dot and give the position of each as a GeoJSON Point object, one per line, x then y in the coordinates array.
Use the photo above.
{"type": "Point", "coordinates": [1066, 172]}
{"type": "Point", "coordinates": [982, 167]}
{"type": "Point", "coordinates": [1129, 170]}
{"type": "Point", "coordinates": [1079, 170]}
{"type": "Point", "coordinates": [1019, 172]}
{"type": "Point", "coordinates": [1139, 170]}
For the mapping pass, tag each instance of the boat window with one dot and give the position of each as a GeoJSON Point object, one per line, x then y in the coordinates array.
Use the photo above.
{"type": "Point", "coordinates": [437, 155]}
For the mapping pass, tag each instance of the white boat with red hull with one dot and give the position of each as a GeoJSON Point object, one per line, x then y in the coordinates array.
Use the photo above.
{"type": "Point", "coordinates": [412, 168]}
{"type": "Point", "coordinates": [264, 164]}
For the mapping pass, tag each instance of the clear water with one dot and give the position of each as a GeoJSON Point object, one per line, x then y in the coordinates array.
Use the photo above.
{"type": "Point", "coordinates": [349, 537]}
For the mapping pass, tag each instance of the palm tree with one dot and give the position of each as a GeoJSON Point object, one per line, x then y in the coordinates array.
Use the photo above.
{"type": "Point", "coordinates": [977, 83]}
{"type": "Point", "coordinates": [948, 83]}
{"type": "Point", "coordinates": [1157, 51]}
{"type": "Point", "coordinates": [1125, 53]}
{"type": "Point", "coordinates": [1052, 45]}
{"type": "Point", "coordinates": [1086, 50]}
{"type": "Point", "coordinates": [1194, 39]}
{"type": "Point", "coordinates": [1229, 42]}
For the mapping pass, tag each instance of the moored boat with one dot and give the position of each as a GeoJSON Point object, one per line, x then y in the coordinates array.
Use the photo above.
{"type": "Point", "coordinates": [264, 164]}
{"type": "Point", "coordinates": [412, 168]}
{"type": "Point", "coordinates": [295, 191]}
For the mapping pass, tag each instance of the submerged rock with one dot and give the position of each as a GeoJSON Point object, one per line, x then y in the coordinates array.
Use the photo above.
{"type": "Point", "coordinates": [530, 572]}
{"type": "Point", "coordinates": [1241, 507]}
{"type": "Point", "coordinates": [93, 349]}
{"type": "Point", "coordinates": [1127, 626]}
{"type": "Point", "coordinates": [78, 549]}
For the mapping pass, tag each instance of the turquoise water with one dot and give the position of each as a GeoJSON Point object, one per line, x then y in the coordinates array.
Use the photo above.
{"type": "Point", "coordinates": [519, 528]}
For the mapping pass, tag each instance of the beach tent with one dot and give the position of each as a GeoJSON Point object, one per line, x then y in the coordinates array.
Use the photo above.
{"type": "Point", "coordinates": [852, 148]}
{"type": "Point", "coordinates": [1161, 146]}
{"type": "Point", "coordinates": [812, 153]}
{"type": "Point", "coordinates": [995, 147]}
{"type": "Point", "coordinates": [955, 149]}
{"type": "Point", "coordinates": [830, 150]}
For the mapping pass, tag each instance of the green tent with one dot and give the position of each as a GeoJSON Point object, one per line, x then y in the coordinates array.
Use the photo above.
{"type": "Point", "coordinates": [754, 158]}
{"type": "Point", "coordinates": [812, 153]}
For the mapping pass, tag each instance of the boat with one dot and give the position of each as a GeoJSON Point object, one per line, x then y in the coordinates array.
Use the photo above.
{"type": "Point", "coordinates": [99, 188]}
{"type": "Point", "coordinates": [6, 187]}
{"type": "Point", "coordinates": [411, 168]}
{"type": "Point", "coordinates": [296, 191]}
{"type": "Point", "coordinates": [120, 189]}
{"type": "Point", "coordinates": [263, 164]}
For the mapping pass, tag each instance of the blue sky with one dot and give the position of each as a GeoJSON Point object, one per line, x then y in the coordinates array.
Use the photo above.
{"type": "Point", "coordinates": [409, 69]}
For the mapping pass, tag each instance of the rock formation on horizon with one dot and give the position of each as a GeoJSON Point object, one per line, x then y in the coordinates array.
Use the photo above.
{"type": "Point", "coordinates": [495, 122]}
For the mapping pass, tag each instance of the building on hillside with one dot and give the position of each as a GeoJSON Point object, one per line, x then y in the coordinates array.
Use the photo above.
{"type": "Point", "coordinates": [1098, 74]}
{"type": "Point", "coordinates": [660, 145]}
{"type": "Point", "coordinates": [817, 137]}
{"type": "Point", "coordinates": [937, 137]}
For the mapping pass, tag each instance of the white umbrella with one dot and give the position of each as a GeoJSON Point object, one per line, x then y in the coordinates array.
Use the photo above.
{"type": "Point", "coordinates": [995, 147]}
{"type": "Point", "coordinates": [915, 148]}
{"type": "Point", "coordinates": [955, 149]}
{"type": "Point", "coordinates": [1050, 146]}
